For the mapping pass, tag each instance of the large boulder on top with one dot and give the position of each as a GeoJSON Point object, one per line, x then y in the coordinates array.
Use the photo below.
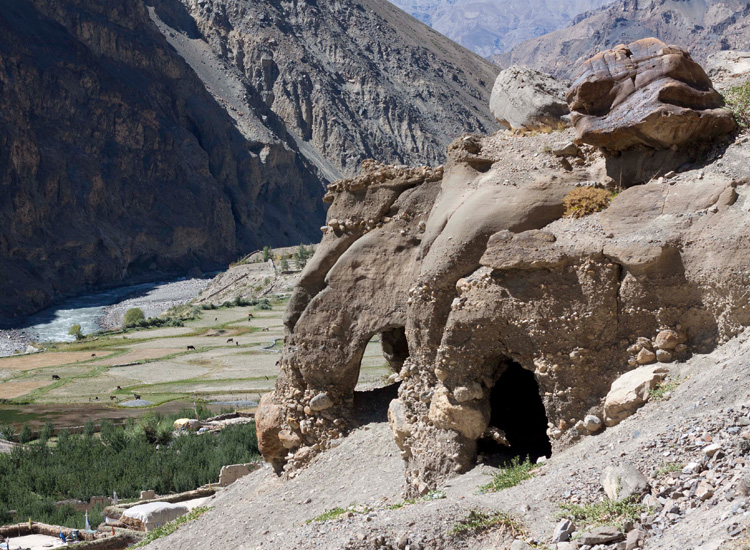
{"type": "Point", "coordinates": [525, 98]}
{"type": "Point", "coordinates": [648, 94]}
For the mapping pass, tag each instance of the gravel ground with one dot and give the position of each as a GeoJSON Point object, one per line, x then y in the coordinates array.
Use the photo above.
{"type": "Point", "coordinates": [713, 399]}
{"type": "Point", "coordinates": [156, 301]}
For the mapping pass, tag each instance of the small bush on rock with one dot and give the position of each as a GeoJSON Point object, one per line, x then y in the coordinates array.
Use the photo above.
{"type": "Point", "coordinates": [738, 102]}
{"type": "Point", "coordinates": [583, 201]}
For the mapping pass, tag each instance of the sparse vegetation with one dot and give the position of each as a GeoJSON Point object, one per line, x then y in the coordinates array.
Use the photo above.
{"type": "Point", "coordinates": [478, 520]}
{"type": "Point", "coordinates": [267, 253]}
{"type": "Point", "coordinates": [669, 467]}
{"type": "Point", "coordinates": [606, 512]}
{"type": "Point", "coordinates": [132, 317]}
{"type": "Point", "coordinates": [510, 476]}
{"type": "Point", "coordinates": [75, 330]}
{"type": "Point", "coordinates": [328, 515]}
{"type": "Point", "coordinates": [660, 391]}
{"type": "Point", "coordinates": [738, 102]}
{"type": "Point", "coordinates": [583, 201]}
{"type": "Point", "coordinates": [432, 495]}
{"type": "Point", "coordinates": [171, 527]}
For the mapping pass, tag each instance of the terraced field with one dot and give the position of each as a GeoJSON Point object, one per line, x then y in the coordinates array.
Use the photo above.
{"type": "Point", "coordinates": [234, 360]}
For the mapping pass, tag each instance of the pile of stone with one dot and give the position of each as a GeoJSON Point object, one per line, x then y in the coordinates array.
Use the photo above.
{"type": "Point", "coordinates": [699, 464]}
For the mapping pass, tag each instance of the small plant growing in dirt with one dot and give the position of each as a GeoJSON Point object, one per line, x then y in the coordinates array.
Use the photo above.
{"type": "Point", "coordinates": [583, 201]}
{"type": "Point", "coordinates": [478, 521]}
{"type": "Point", "coordinates": [659, 393]}
{"type": "Point", "coordinates": [132, 317]}
{"type": "Point", "coordinates": [605, 512]}
{"type": "Point", "coordinates": [669, 467]}
{"type": "Point", "coordinates": [336, 513]}
{"type": "Point", "coordinates": [76, 331]}
{"type": "Point", "coordinates": [510, 476]}
{"type": "Point", "coordinates": [738, 102]}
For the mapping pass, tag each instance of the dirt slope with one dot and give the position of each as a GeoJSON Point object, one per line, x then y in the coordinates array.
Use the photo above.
{"type": "Point", "coordinates": [261, 511]}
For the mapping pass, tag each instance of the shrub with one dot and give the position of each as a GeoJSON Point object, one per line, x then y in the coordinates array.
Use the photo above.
{"type": "Point", "coordinates": [738, 102]}
{"type": "Point", "coordinates": [76, 331]}
{"type": "Point", "coordinates": [7, 432]}
{"type": "Point", "coordinates": [267, 251]}
{"type": "Point", "coordinates": [24, 436]}
{"type": "Point", "coordinates": [478, 521]}
{"type": "Point", "coordinates": [606, 512]}
{"type": "Point", "coordinates": [133, 316]}
{"type": "Point", "coordinates": [583, 201]}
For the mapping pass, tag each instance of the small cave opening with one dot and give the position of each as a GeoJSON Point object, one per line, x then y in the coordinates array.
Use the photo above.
{"type": "Point", "coordinates": [374, 392]}
{"type": "Point", "coordinates": [516, 409]}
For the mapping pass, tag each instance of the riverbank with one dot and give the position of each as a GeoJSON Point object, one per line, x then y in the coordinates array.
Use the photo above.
{"type": "Point", "coordinates": [99, 311]}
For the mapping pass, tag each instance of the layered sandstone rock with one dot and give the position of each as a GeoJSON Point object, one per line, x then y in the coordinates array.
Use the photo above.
{"type": "Point", "coordinates": [485, 296]}
{"type": "Point", "coordinates": [646, 93]}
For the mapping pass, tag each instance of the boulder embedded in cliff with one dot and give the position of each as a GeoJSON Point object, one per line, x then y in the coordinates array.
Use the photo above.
{"type": "Point", "coordinates": [645, 93]}
{"type": "Point", "coordinates": [525, 98]}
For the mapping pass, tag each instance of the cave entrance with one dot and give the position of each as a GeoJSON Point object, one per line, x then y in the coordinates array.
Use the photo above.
{"type": "Point", "coordinates": [374, 393]}
{"type": "Point", "coordinates": [517, 409]}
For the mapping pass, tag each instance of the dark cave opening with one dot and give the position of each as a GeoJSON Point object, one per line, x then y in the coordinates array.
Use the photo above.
{"type": "Point", "coordinates": [517, 409]}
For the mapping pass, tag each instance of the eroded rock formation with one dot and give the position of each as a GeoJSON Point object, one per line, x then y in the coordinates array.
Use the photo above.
{"type": "Point", "coordinates": [646, 93]}
{"type": "Point", "coordinates": [497, 312]}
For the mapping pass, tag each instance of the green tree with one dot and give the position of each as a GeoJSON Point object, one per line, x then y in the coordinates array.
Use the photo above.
{"type": "Point", "coordinates": [284, 264]}
{"type": "Point", "coordinates": [76, 331]}
{"type": "Point", "coordinates": [24, 436]}
{"type": "Point", "coordinates": [267, 251]}
{"type": "Point", "coordinates": [47, 432]}
{"type": "Point", "coordinates": [132, 317]}
{"type": "Point", "coordinates": [89, 429]}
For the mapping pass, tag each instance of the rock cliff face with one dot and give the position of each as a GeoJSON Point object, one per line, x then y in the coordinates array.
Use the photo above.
{"type": "Point", "coordinates": [115, 161]}
{"type": "Point", "coordinates": [489, 27]}
{"type": "Point", "coordinates": [699, 26]}
{"type": "Point", "coordinates": [505, 322]}
{"type": "Point", "coordinates": [351, 80]}
{"type": "Point", "coordinates": [143, 138]}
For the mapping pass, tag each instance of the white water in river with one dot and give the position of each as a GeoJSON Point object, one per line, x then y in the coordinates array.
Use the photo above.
{"type": "Point", "coordinates": [53, 324]}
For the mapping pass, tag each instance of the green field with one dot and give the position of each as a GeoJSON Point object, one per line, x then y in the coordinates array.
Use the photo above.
{"type": "Point", "coordinates": [98, 375]}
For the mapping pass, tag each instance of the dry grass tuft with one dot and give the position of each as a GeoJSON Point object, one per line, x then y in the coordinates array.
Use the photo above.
{"type": "Point", "coordinates": [583, 201]}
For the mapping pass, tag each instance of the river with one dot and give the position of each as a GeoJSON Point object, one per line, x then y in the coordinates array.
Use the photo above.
{"type": "Point", "coordinates": [98, 311]}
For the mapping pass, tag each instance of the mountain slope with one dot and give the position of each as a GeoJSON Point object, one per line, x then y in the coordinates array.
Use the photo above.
{"type": "Point", "coordinates": [489, 27]}
{"type": "Point", "coordinates": [115, 162]}
{"type": "Point", "coordinates": [139, 139]}
{"type": "Point", "coordinates": [352, 80]}
{"type": "Point", "coordinates": [701, 26]}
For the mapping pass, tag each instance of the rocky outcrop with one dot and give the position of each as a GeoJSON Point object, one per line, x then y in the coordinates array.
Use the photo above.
{"type": "Point", "coordinates": [501, 316]}
{"type": "Point", "coordinates": [116, 163]}
{"type": "Point", "coordinates": [700, 26]}
{"type": "Point", "coordinates": [648, 94]}
{"type": "Point", "coordinates": [351, 80]}
{"type": "Point", "coordinates": [525, 98]}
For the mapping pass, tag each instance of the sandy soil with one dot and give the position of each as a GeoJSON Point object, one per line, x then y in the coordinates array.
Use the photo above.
{"type": "Point", "coordinates": [34, 542]}
{"type": "Point", "coordinates": [43, 360]}
{"type": "Point", "coordinates": [9, 390]}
